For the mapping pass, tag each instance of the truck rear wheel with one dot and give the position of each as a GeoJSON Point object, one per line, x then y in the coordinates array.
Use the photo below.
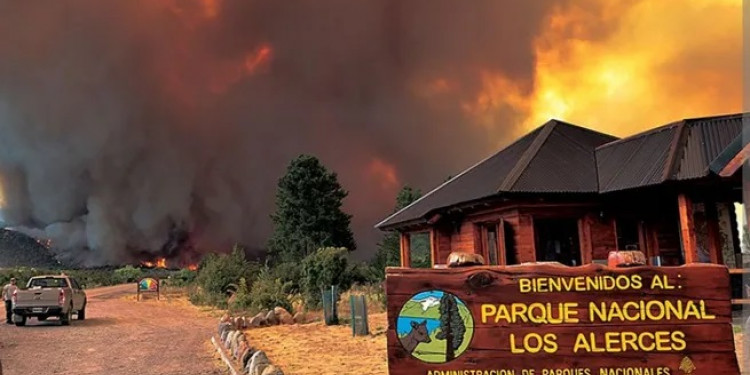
{"type": "Point", "coordinates": [20, 320]}
{"type": "Point", "coordinates": [82, 312]}
{"type": "Point", "coordinates": [65, 318]}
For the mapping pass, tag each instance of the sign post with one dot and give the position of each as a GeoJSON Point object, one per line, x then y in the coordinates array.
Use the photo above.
{"type": "Point", "coordinates": [148, 285]}
{"type": "Point", "coordinates": [556, 320]}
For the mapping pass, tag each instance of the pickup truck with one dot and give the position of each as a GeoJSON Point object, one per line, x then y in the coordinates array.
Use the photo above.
{"type": "Point", "coordinates": [46, 296]}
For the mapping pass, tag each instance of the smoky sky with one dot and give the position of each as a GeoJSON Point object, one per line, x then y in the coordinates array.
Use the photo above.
{"type": "Point", "coordinates": [122, 119]}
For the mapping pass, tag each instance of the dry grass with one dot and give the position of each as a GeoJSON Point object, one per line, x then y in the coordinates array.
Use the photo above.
{"type": "Point", "coordinates": [317, 349]}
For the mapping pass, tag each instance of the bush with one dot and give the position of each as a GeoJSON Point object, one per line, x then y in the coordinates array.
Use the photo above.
{"type": "Point", "coordinates": [200, 297]}
{"type": "Point", "coordinates": [185, 277]}
{"type": "Point", "coordinates": [241, 300]}
{"type": "Point", "coordinates": [128, 274]}
{"type": "Point", "coordinates": [217, 272]}
{"type": "Point", "coordinates": [290, 273]}
{"type": "Point", "coordinates": [321, 269]}
{"type": "Point", "coordinates": [269, 291]}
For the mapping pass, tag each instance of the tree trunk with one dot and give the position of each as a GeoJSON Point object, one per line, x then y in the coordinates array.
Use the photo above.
{"type": "Point", "coordinates": [449, 352]}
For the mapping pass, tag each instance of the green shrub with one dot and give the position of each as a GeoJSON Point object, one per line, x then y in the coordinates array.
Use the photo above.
{"type": "Point", "coordinates": [185, 276]}
{"type": "Point", "coordinates": [269, 291]}
{"type": "Point", "coordinates": [321, 269]}
{"type": "Point", "coordinates": [128, 274]}
{"type": "Point", "coordinates": [217, 272]}
{"type": "Point", "coordinates": [242, 300]}
{"type": "Point", "coordinates": [200, 297]}
{"type": "Point", "coordinates": [290, 273]}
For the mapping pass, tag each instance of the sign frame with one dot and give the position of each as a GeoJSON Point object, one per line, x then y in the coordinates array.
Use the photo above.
{"type": "Point", "coordinates": [140, 290]}
{"type": "Point", "coordinates": [704, 338]}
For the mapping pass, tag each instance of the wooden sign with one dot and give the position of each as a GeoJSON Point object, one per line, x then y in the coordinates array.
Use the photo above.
{"type": "Point", "coordinates": [148, 285]}
{"type": "Point", "coordinates": [556, 320]}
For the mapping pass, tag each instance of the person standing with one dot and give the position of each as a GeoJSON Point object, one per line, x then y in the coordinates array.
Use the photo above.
{"type": "Point", "coordinates": [8, 291]}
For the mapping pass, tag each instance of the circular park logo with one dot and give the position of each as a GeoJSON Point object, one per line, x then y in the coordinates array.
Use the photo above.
{"type": "Point", "coordinates": [435, 326]}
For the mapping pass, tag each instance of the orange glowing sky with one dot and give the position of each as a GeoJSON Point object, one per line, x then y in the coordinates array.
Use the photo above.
{"type": "Point", "coordinates": [662, 61]}
{"type": "Point", "coordinates": [222, 94]}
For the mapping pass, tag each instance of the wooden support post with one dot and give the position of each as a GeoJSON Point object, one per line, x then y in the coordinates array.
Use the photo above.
{"type": "Point", "coordinates": [652, 242]}
{"type": "Point", "coordinates": [405, 250]}
{"type": "Point", "coordinates": [687, 229]}
{"type": "Point", "coordinates": [479, 241]}
{"type": "Point", "coordinates": [642, 239]}
{"type": "Point", "coordinates": [527, 239]}
{"type": "Point", "coordinates": [433, 246]}
{"type": "Point", "coordinates": [584, 236]}
{"type": "Point", "coordinates": [714, 233]}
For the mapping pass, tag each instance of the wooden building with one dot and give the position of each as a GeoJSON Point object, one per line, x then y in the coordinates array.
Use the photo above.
{"type": "Point", "coordinates": [570, 194]}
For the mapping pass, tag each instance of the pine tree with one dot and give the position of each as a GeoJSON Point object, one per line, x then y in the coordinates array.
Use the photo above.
{"type": "Point", "coordinates": [452, 328]}
{"type": "Point", "coordinates": [389, 248]}
{"type": "Point", "coordinates": [308, 212]}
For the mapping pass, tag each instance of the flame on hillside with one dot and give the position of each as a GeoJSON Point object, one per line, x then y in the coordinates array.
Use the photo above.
{"type": "Point", "coordinates": [158, 263]}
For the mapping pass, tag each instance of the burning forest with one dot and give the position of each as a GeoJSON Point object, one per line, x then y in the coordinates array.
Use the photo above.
{"type": "Point", "coordinates": [154, 131]}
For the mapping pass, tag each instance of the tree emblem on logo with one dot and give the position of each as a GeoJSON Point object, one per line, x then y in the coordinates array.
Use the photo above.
{"type": "Point", "coordinates": [435, 326]}
{"type": "Point", "coordinates": [687, 365]}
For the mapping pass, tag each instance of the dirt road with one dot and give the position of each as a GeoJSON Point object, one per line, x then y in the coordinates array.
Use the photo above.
{"type": "Point", "coordinates": [119, 336]}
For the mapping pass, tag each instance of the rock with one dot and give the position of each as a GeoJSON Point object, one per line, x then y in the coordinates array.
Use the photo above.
{"type": "Point", "coordinates": [258, 363]}
{"type": "Point", "coordinates": [629, 258]}
{"type": "Point", "coordinates": [272, 370]}
{"type": "Point", "coordinates": [241, 347]}
{"type": "Point", "coordinates": [272, 319]}
{"type": "Point", "coordinates": [300, 318]}
{"type": "Point", "coordinates": [224, 334]}
{"type": "Point", "coordinates": [235, 342]}
{"type": "Point", "coordinates": [245, 357]}
{"type": "Point", "coordinates": [230, 337]}
{"type": "Point", "coordinates": [224, 327]}
{"type": "Point", "coordinates": [256, 321]}
{"type": "Point", "coordinates": [283, 316]}
{"type": "Point", "coordinates": [460, 259]}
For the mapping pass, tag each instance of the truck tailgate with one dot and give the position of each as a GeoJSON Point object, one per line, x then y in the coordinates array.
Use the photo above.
{"type": "Point", "coordinates": [38, 297]}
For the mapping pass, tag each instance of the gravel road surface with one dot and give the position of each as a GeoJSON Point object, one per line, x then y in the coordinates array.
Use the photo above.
{"type": "Point", "coordinates": [119, 336]}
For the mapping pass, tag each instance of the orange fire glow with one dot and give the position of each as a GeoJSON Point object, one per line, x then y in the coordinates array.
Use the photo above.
{"type": "Point", "coordinates": [225, 74]}
{"type": "Point", "coordinates": [648, 70]}
{"type": "Point", "coordinates": [258, 58]}
{"type": "Point", "coordinates": [159, 263]}
{"type": "Point", "coordinates": [192, 267]}
{"type": "Point", "coordinates": [384, 173]}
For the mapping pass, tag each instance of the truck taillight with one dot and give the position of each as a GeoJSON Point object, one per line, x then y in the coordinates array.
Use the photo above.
{"type": "Point", "coordinates": [61, 298]}
{"type": "Point", "coordinates": [14, 297]}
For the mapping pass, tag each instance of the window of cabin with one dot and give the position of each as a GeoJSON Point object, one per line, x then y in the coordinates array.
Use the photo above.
{"type": "Point", "coordinates": [420, 250]}
{"type": "Point", "coordinates": [627, 234]}
{"type": "Point", "coordinates": [510, 243]}
{"type": "Point", "coordinates": [491, 244]}
{"type": "Point", "coordinates": [557, 241]}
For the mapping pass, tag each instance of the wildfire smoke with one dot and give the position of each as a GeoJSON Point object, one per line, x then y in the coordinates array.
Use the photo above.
{"type": "Point", "coordinates": [124, 121]}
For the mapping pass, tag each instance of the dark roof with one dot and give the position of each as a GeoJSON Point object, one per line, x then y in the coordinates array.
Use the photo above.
{"type": "Point", "coordinates": [679, 151]}
{"type": "Point", "coordinates": [562, 158]}
{"type": "Point", "coordinates": [531, 164]}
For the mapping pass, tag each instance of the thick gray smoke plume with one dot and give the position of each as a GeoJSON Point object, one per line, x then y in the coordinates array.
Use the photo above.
{"type": "Point", "coordinates": [124, 121]}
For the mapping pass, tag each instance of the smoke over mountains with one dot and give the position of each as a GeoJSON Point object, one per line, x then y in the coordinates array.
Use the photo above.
{"type": "Point", "coordinates": [126, 122]}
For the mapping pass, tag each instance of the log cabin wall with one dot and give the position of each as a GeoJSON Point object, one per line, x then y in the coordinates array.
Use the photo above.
{"type": "Point", "coordinates": [443, 245]}
{"type": "Point", "coordinates": [463, 240]}
{"type": "Point", "coordinates": [603, 237]}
